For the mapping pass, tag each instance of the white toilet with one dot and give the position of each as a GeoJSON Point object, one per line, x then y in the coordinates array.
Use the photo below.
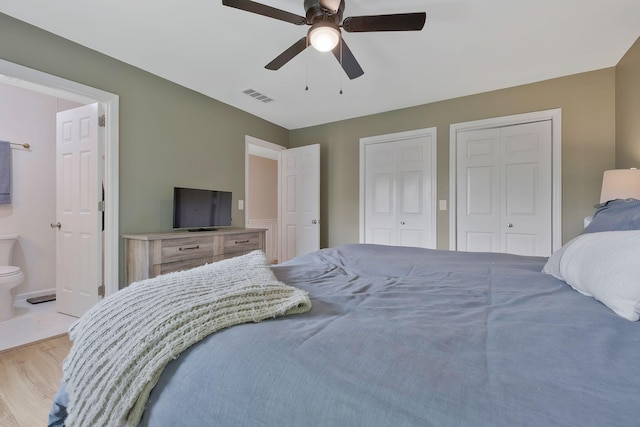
{"type": "Point", "coordinates": [10, 276]}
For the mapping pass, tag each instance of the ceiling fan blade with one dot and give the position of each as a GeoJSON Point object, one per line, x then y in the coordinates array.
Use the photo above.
{"type": "Point", "coordinates": [261, 9]}
{"type": "Point", "coordinates": [288, 54]}
{"type": "Point", "coordinates": [332, 5]}
{"type": "Point", "coordinates": [396, 22]}
{"type": "Point", "coordinates": [347, 60]}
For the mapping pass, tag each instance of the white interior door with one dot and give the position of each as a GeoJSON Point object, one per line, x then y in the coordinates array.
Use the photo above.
{"type": "Point", "coordinates": [399, 186]}
{"type": "Point", "coordinates": [504, 189]}
{"type": "Point", "coordinates": [79, 236]}
{"type": "Point", "coordinates": [479, 203]}
{"type": "Point", "coordinates": [300, 201]}
{"type": "Point", "coordinates": [526, 188]}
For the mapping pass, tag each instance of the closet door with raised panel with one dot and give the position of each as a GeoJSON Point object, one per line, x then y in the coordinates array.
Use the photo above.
{"type": "Point", "coordinates": [399, 191]}
{"type": "Point", "coordinates": [504, 193]}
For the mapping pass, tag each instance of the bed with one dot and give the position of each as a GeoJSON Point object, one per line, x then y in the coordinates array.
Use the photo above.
{"type": "Point", "coordinates": [400, 336]}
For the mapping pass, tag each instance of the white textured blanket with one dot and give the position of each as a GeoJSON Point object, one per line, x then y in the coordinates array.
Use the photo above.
{"type": "Point", "coordinates": [121, 346]}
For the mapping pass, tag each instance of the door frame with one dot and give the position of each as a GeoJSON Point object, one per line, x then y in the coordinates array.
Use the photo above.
{"type": "Point", "coordinates": [38, 81]}
{"type": "Point", "coordinates": [393, 137]}
{"type": "Point", "coordinates": [555, 115]}
{"type": "Point", "coordinates": [258, 147]}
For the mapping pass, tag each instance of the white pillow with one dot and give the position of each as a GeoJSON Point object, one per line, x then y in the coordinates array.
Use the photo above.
{"type": "Point", "coordinates": [552, 266]}
{"type": "Point", "coordinates": [605, 266]}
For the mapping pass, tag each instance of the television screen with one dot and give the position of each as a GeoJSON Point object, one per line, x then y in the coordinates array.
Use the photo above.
{"type": "Point", "coordinates": [194, 208]}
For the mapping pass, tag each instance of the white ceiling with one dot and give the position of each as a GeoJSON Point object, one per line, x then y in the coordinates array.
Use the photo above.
{"type": "Point", "coordinates": [466, 47]}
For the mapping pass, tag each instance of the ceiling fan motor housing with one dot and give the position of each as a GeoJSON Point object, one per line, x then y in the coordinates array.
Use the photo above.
{"type": "Point", "coordinates": [316, 13]}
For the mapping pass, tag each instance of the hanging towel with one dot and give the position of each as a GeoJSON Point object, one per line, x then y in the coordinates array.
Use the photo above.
{"type": "Point", "coordinates": [5, 172]}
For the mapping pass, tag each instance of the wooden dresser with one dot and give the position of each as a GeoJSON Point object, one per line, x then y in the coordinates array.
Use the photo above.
{"type": "Point", "coordinates": [149, 255]}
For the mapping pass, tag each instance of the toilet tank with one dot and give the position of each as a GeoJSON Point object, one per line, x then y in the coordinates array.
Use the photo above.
{"type": "Point", "coordinates": [6, 247]}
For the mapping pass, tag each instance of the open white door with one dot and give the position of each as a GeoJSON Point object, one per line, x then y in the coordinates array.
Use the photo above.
{"type": "Point", "coordinates": [79, 236]}
{"type": "Point", "coordinates": [300, 201]}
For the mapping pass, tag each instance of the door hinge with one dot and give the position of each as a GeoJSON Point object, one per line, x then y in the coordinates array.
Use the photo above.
{"type": "Point", "coordinates": [101, 206]}
{"type": "Point", "coordinates": [102, 121]}
{"type": "Point", "coordinates": [101, 291]}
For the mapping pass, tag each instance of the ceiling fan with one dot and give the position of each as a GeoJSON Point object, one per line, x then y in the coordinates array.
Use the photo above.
{"type": "Point", "coordinates": [325, 19]}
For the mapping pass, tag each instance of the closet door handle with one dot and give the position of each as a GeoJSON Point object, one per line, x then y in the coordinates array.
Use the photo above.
{"type": "Point", "coordinates": [56, 225]}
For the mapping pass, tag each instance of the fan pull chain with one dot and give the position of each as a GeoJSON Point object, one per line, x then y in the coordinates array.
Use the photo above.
{"type": "Point", "coordinates": [307, 70]}
{"type": "Point", "coordinates": [341, 68]}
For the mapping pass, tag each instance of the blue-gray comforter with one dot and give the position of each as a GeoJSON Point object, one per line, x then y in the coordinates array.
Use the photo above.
{"type": "Point", "coordinates": [412, 337]}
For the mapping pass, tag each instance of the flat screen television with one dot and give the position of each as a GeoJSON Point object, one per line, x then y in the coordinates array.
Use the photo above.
{"type": "Point", "coordinates": [201, 209]}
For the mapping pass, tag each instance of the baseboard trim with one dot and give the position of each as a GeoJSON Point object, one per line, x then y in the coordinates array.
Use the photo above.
{"type": "Point", "coordinates": [23, 297]}
{"type": "Point", "coordinates": [38, 341]}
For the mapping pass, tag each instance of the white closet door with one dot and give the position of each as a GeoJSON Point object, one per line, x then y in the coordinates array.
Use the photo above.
{"type": "Point", "coordinates": [479, 213]}
{"type": "Point", "coordinates": [526, 188]}
{"type": "Point", "coordinates": [399, 191]}
{"type": "Point", "coordinates": [504, 189]}
{"type": "Point", "coordinates": [380, 216]}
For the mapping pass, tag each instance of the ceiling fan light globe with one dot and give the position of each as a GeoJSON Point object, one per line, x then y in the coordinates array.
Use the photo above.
{"type": "Point", "coordinates": [324, 38]}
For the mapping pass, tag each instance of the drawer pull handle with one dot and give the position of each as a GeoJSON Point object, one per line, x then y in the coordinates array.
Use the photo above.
{"type": "Point", "coordinates": [187, 248]}
{"type": "Point", "coordinates": [241, 241]}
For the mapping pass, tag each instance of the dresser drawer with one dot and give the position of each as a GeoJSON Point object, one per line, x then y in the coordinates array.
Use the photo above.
{"type": "Point", "coordinates": [245, 242]}
{"type": "Point", "coordinates": [186, 264]}
{"type": "Point", "coordinates": [188, 248]}
{"type": "Point", "coordinates": [148, 255]}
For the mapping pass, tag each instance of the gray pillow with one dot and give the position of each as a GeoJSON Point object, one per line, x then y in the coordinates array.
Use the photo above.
{"type": "Point", "coordinates": [616, 215]}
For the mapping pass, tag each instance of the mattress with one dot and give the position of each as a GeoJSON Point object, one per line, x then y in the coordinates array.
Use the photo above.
{"type": "Point", "coordinates": [411, 337]}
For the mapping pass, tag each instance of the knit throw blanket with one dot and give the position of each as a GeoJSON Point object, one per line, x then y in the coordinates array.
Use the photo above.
{"type": "Point", "coordinates": [121, 346]}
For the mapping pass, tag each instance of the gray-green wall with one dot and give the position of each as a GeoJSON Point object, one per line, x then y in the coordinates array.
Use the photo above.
{"type": "Point", "coordinates": [628, 109]}
{"type": "Point", "coordinates": [588, 146]}
{"type": "Point", "coordinates": [169, 135]}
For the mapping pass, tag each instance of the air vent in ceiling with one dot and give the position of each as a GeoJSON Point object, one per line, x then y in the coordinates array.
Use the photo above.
{"type": "Point", "coordinates": [257, 95]}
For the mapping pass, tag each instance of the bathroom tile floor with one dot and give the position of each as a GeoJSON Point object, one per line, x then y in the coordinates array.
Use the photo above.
{"type": "Point", "coordinates": [32, 323]}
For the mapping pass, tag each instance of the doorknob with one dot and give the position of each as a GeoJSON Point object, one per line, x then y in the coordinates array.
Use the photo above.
{"type": "Point", "coordinates": [401, 222]}
{"type": "Point", "coordinates": [56, 225]}
{"type": "Point", "coordinates": [315, 221]}
{"type": "Point", "coordinates": [510, 225]}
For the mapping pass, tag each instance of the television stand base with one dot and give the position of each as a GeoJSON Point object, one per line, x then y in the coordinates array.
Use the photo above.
{"type": "Point", "coordinates": [202, 229]}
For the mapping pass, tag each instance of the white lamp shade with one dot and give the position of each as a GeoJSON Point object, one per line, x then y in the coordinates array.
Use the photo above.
{"type": "Point", "coordinates": [620, 184]}
{"type": "Point", "coordinates": [324, 37]}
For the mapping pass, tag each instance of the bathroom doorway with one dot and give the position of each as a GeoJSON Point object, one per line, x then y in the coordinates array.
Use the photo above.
{"type": "Point", "coordinates": [65, 91]}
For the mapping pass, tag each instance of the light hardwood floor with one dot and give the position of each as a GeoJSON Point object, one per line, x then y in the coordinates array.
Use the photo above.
{"type": "Point", "coordinates": [29, 379]}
